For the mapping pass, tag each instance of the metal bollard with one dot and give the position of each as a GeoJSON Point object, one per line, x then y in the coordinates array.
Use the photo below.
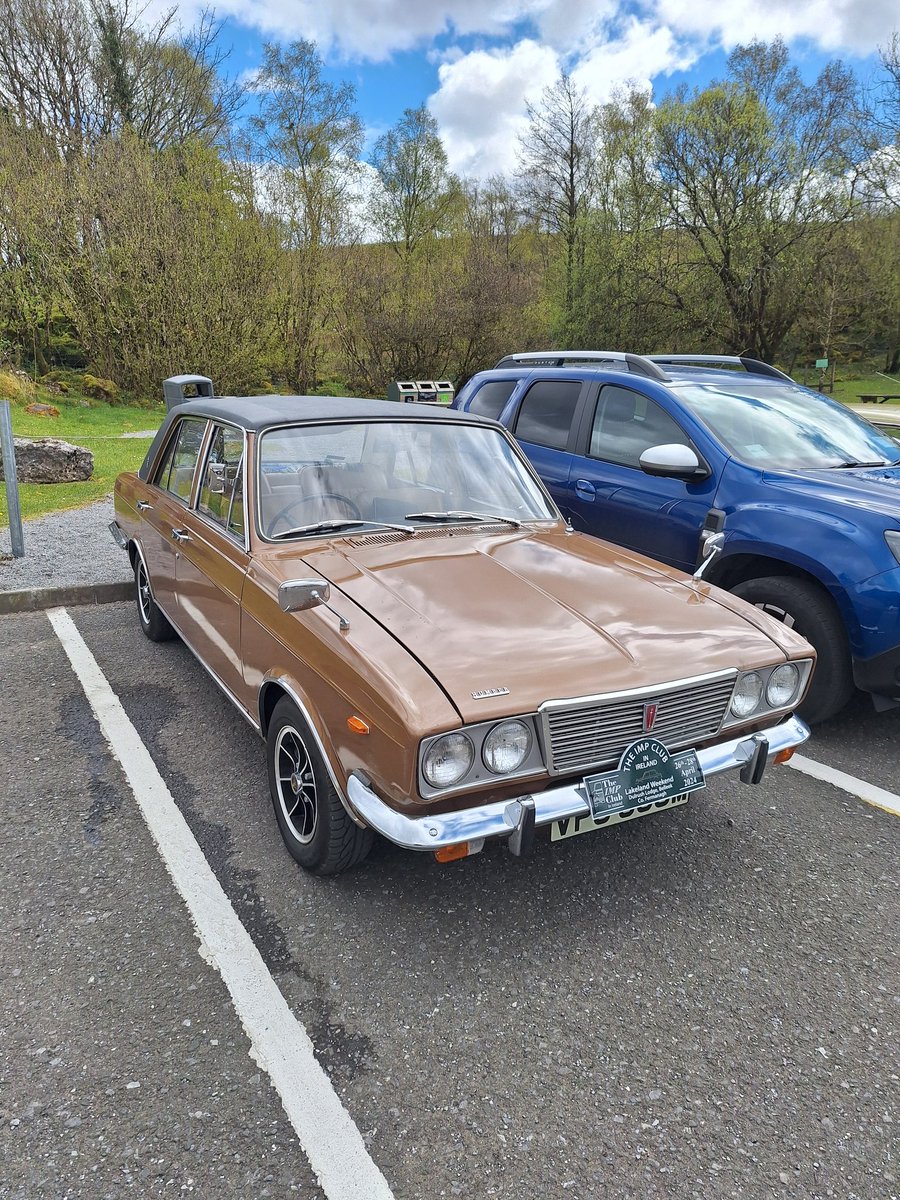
{"type": "Point", "coordinates": [12, 483]}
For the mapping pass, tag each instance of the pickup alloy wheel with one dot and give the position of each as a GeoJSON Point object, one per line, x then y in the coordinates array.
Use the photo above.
{"type": "Point", "coordinates": [805, 608]}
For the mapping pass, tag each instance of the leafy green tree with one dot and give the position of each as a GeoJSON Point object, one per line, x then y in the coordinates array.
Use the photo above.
{"type": "Point", "coordinates": [306, 140]}
{"type": "Point", "coordinates": [754, 173]}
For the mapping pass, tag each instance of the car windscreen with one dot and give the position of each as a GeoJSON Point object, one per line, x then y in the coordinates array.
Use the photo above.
{"type": "Point", "coordinates": [381, 471]}
{"type": "Point", "coordinates": [782, 426]}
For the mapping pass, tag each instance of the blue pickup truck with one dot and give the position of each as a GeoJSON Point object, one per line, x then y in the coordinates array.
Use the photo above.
{"type": "Point", "coordinates": [659, 452]}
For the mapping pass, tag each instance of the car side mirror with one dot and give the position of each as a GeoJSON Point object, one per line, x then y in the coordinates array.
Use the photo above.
{"type": "Point", "coordinates": [297, 595]}
{"type": "Point", "coordinates": [672, 461]}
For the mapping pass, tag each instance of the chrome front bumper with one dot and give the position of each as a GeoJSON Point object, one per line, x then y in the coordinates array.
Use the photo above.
{"type": "Point", "coordinates": [514, 819]}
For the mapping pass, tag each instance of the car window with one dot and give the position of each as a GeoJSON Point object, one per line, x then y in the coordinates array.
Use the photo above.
{"type": "Point", "coordinates": [626, 423]}
{"type": "Point", "coordinates": [491, 398]}
{"type": "Point", "coordinates": [546, 413]}
{"type": "Point", "coordinates": [176, 472]}
{"type": "Point", "coordinates": [219, 488]}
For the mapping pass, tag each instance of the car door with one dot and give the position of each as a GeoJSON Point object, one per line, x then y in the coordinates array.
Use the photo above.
{"type": "Point", "coordinates": [211, 560]}
{"type": "Point", "coordinates": [546, 425]}
{"type": "Point", "coordinates": [166, 505]}
{"type": "Point", "coordinates": [610, 496]}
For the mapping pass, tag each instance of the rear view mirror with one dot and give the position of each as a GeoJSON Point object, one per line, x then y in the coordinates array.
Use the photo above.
{"type": "Point", "coordinates": [673, 461]}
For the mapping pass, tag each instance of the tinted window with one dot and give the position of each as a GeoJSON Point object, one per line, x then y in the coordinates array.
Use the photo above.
{"type": "Point", "coordinates": [546, 413]}
{"type": "Point", "coordinates": [220, 488]}
{"type": "Point", "coordinates": [490, 399]}
{"type": "Point", "coordinates": [176, 471]}
{"type": "Point", "coordinates": [627, 423]}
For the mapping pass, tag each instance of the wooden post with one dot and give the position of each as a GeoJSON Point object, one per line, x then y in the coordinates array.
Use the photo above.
{"type": "Point", "coordinates": [12, 482]}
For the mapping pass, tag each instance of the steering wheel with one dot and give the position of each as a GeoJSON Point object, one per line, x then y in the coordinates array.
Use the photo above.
{"type": "Point", "coordinates": [330, 506]}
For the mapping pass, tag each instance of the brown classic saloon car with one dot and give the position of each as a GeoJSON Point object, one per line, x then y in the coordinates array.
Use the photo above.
{"type": "Point", "coordinates": [389, 596]}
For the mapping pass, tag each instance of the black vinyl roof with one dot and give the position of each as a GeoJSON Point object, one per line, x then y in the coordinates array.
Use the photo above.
{"type": "Point", "coordinates": [258, 412]}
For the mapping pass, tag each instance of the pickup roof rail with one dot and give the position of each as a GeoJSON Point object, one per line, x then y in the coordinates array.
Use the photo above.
{"type": "Point", "coordinates": [751, 365]}
{"type": "Point", "coordinates": [637, 363]}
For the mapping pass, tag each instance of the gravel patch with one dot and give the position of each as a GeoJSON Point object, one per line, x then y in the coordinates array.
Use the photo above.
{"type": "Point", "coordinates": [65, 549]}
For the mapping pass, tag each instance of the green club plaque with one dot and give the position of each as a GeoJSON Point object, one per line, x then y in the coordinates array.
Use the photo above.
{"type": "Point", "coordinates": [647, 774]}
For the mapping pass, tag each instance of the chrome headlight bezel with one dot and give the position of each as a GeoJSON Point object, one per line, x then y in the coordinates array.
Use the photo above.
{"type": "Point", "coordinates": [479, 773]}
{"type": "Point", "coordinates": [764, 707]}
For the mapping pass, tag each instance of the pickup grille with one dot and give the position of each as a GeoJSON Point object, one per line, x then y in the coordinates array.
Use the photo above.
{"type": "Point", "coordinates": [592, 733]}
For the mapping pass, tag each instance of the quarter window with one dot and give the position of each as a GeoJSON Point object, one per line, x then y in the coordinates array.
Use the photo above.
{"type": "Point", "coordinates": [221, 494]}
{"type": "Point", "coordinates": [627, 423]}
{"type": "Point", "coordinates": [547, 411]}
{"type": "Point", "coordinates": [176, 471]}
{"type": "Point", "coordinates": [491, 398]}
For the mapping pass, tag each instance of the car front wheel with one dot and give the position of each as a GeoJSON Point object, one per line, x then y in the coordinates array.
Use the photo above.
{"type": "Point", "coordinates": [313, 822]}
{"type": "Point", "coordinates": [805, 608]}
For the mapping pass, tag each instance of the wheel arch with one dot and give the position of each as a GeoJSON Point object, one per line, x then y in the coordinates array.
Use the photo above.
{"type": "Point", "coordinates": [273, 689]}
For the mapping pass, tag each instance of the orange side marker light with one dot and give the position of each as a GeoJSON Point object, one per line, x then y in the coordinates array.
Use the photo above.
{"type": "Point", "coordinates": [784, 755]}
{"type": "Point", "coordinates": [452, 853]}
{"type": "Point", "coordinates": [357, 725]}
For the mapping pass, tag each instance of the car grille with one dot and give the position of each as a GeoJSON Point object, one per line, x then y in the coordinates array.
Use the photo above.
{"type": "Point", "coordinates": [593, 733]}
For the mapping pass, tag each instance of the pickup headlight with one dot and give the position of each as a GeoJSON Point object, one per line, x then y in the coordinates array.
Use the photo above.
{"type": "Point", "coordinates": [447, 760]}
{"type": "Point", "coordinates": [892, 537]}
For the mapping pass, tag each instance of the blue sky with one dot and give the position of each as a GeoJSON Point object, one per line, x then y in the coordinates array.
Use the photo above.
{"type": "Point", "coordinates": [477, 63]}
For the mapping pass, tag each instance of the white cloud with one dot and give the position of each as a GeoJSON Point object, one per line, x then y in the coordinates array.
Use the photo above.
{"type": "Point", "coordinates": [859, 26]}
{"type": "Point", "coordinates": [480, 104]}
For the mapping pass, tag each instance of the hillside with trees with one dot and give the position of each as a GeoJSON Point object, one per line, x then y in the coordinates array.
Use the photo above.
{"type": "Point", "coordinates": [157, 218]}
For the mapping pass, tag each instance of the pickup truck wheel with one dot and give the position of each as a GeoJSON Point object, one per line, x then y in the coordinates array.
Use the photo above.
{"type": "Point", "coordinates": [313, 822]}
{"type": "Point", "coordinates": [805, 608]}
{"type": "Point", "coordinates": [153, 623]}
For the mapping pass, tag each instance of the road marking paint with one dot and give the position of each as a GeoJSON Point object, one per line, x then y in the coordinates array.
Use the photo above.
{"type": "Point", "coordinates": [848, 783]}
{"type": "Point", "coordinates": [279, 1043]}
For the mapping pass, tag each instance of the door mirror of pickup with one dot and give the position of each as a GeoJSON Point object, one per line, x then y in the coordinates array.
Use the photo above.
{"type": "Point", "coordinates": [674, 460]}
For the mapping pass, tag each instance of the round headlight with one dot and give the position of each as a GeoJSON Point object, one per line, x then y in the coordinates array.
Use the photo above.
{"type": "Point", "coordinates": [782, 686]}
{"type": "Point", "coordinates": [747, 694]}
{"type": "Point", "coordinates": [447, 760]}
{"type": "Point", "coordinates": [506, 747]}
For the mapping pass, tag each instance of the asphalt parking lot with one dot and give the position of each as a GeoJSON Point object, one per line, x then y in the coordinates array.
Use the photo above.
{"type": "Point", "coordinates": [701, 1004]}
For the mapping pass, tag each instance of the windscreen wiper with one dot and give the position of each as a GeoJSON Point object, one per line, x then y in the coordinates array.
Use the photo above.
{"type": "Point", "coordinates": [882, 462]}
{"type": "Point", "coordinates": [457, 514]}
{"type": "Point", "coordinates": [340, 523]}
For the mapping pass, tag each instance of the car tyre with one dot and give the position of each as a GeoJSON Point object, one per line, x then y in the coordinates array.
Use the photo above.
{"type": "Point", "coordinates": [805, 608]}
{"type": "Point", "coordinates": [315, 826]}
{"type": "Point", "coordinates": [153, 622]}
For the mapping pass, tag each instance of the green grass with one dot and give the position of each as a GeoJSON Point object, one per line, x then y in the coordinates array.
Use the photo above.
{"type": "Point", "coordinates": [850, 390]}
{"type": "Point", "coordinates": [97, 429]}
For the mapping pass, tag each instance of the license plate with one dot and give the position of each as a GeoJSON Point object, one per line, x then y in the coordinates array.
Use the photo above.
{"type": "Point", "coordinates": [573, 826]}
{"type": "Point", "coordinates": [649, 779]}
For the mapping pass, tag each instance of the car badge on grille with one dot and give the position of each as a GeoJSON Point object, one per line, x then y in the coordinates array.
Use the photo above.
{"type": "Point", "coordinates": [650, 715]}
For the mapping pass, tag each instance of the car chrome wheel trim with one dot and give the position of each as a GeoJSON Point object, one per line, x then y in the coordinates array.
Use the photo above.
{"type": "Point", "coordinates": [145, 599]}
{"type": "Point", "coordinates": [296, 784]}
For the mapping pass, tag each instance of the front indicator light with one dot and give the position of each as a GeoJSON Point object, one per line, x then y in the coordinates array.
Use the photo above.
{"type": "Point", "coordinates": [447, 760]}
{"type": "Point", "coordinates": [747, 694]}
{"type": "Point", "coordinates": [782, 686]}
{"type": "Point", "coordinates": [784, 756]}
{"type": "Point", "coordinates": [506, 747]}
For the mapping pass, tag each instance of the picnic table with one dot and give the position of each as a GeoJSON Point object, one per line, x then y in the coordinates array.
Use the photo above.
{"type": "Point", "coordinates": [879, 397]}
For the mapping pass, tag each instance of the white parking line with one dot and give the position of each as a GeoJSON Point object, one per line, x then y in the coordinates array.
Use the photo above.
{"type": "Point", "coordinates": [848, 783]}
{"type": "Point", "coordinates": [278, 1042]}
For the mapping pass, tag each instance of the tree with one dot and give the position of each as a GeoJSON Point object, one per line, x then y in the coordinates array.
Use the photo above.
{"type": "Point", "coordinates": [558, 168]}
{"type": "Point", "coordinates": [417, 194]}
{"type": "Point", "coordinates": [306, 140]}
{"type": "Point", "coordinates": [755, 174]}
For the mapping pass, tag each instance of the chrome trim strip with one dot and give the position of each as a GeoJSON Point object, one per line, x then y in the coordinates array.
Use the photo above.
{"type": "Point", "coordinates": [504, 817]}
{"type": "Point", "coordinates": [637, 693]}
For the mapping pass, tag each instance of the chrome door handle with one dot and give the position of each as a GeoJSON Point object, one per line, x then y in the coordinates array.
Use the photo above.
{"type": "Point", "coordinates": [143, 505]}
{"type": "Point", "coordinates": [181, 535]}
